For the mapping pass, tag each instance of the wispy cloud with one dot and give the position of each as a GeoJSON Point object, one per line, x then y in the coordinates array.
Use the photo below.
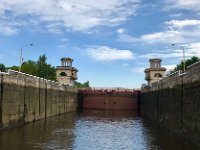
{"type": "Point", "coordinates": [121, 30]}
{"type": "Point", "coordinates": [174, 31]}
{"type": "Point", "coordinates": [192, 5]}
{"type": "Point", "coordinates": [192, 49]}
{"type": "Point", "coordinates": [153, 38]}
{"type": "Point", "coordinates": [176, 15]}
{"type": "Point", "coordinates": [70, 15]}
{"type": "Point", "coordinates": [166, 54]}
{"type": "Point", "coordinates": [105, 53]}
{"type": "Point", "coordinates": [8, 31]}
{"type": "Point", "coordinates": [182, 23]}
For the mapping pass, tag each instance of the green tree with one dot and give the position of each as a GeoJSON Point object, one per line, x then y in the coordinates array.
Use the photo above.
{"type": "Point", "coordinates": [82, 85]}
{"type": "Point", "coordinates": [188, 62]}
{"type": "Point", "coordinates": [29, 67]}
{"type": "Point", "coordinates": [45, 70]}
{"type": "Point", "coordinates": [16, 68]}
{"type": "Point", "coordinates": [86, 84]}
{"type": "Point", "coordinates": [39, 68]}
{"type": "Point", "coordinates": [2, 68]}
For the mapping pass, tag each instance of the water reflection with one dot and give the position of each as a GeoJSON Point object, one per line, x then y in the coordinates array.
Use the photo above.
{"type": "Point", "coordinates": [54, 133]}
{"type": "Point", "coordinates": [109, 130]}
{"type": "Point", "coordinates": [92, 130]}
{"type": "Point", "coordinates": [164, 139]}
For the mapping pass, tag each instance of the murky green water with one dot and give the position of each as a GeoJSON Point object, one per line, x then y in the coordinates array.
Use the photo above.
{"type": "Point", "coordinates": [91, 130]}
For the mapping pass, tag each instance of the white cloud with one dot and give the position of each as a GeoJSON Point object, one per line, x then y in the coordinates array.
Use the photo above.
{"type": "Point", "coordinates": [105, 53]}
{"type": "Point", "coordinates": [153, 38]}
{"type": "Point", "coordinates": [192, 5]}
{"type": "Point", "coordinates": [8, 31]}
{"type": "Point", "coordinates": [162, 37]}
{"type": "Point", "coordinates": [166, 54]}
{"type": "Point", "coordinates": [121, 30]}
{"type": "Point", "coordinates": [176, 15]}
{"type": "Point", "coordinates": [9, 27]}
{"type": "Point", "coordinates": [169, 67]}
{"type": "Point", "coordinates": [192, 49]}
{"type": "Point", "coordinates": [175, 31]}
{"type": "Point", "coordinates": [71, 14]}
{"type": "Point", "coordinates": [182, 23]}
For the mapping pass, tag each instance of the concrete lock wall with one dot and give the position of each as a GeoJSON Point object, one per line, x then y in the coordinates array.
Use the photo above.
{"type": "Point", "coordinates": [25, 98]}
{"type": "Point", "coordinates": [175, 103]}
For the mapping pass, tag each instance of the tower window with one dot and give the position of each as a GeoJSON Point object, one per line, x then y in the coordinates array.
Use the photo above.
{"type": "Point", "coordinates": [63, 74]}
{"type": "Point", "coordinates": [158, 75]}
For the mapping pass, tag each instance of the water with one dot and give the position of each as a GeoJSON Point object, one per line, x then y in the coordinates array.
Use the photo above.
{"type": "Point", "coordinates": [92, 130]}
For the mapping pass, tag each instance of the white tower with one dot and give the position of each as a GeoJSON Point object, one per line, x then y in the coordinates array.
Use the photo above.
{"type": "Point", "coordinates": [66, 74]}
{"type": "Point", "coordinates": [155, 73]}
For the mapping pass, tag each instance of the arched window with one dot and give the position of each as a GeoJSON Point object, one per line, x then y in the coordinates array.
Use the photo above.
{"type": "Point", "coordinates": [63, 74]}
{"type": "Point", "coordinates": [158, 75]}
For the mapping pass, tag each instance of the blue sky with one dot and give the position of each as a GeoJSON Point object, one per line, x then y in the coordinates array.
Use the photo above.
{"type": "Point", "coordinates": [110, 41]}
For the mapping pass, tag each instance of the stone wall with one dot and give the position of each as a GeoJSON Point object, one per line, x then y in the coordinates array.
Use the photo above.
{"type": "Point", "coordinates": [175, 103]}
{"type": "Point", "coordinates": [25, 98]}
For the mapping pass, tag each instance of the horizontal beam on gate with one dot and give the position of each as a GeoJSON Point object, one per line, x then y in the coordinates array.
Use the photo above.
{"type": "Point", "coordinates": [107, 90]}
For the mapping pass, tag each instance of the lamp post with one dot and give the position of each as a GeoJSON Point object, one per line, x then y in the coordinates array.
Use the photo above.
{"type": "Point", "coordinates": [20, 61]}
{"type": "Point", "coordinates": [183, 50]}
